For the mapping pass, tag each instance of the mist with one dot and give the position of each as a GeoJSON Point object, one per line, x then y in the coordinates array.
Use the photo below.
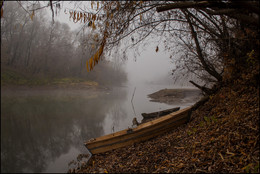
{"type": "Point", "coordinates": [52, 104]}
{"type": "Point", "coordinates": [149, 67]}
{"type": "Point", "coordinates": [145, 66]}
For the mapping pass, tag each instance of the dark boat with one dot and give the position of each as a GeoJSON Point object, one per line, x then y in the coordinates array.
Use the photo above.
{"type": "Point", "coordinates": [159, 113]}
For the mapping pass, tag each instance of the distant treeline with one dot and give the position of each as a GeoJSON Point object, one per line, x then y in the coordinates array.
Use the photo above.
{"type": "Point", "coordinates": [33, 44]}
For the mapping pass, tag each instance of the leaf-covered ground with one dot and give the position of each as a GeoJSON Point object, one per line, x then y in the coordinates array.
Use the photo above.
{"type": "Point", "coordinates": [222, 136]}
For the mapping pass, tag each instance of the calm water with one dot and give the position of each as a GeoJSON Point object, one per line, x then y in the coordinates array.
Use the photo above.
{"type": "Point", "coordinates": [43, 130]}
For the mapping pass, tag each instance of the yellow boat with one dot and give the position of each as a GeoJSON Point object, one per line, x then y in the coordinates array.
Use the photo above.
{"type": "Point", "coordinates": [140, 133]}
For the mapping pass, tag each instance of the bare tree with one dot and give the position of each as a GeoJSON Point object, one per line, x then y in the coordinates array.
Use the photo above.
{"type": "Point", "coordinates": [199, 26]}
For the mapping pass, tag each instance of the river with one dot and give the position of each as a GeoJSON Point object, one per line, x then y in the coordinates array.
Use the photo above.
{"type": "Point", "coordinates": [43, 130]}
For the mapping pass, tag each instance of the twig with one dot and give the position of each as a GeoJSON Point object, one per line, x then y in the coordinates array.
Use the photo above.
{"type": "Point", "coordinates": [52, 11]}
{"type": "Point", "coordinates": [132, 101]}
{"type": "Point", "coordinates": [23, 7]}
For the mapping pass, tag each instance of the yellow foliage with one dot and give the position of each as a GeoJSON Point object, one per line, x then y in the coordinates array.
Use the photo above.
{"type": "Point", "coordinates": [157, 49]}
{"type": "Point", "coordinates": [92, 4]}
{"type": "Point", "coordinates": [31, 16]}
{"type": "Point", "coordinates": [95, 59]}
{"type": "Point", "coordinates": [78, 16]}
{"type": "Point", "coordinates": [93, 25]}
{"type": "Point", "coordinates": [87, 66]}
{"type": "Point", "coordinates": [91, 64]}
{"type": "Point", "coordinates": [94, 17]}
{"type": "Point", "coordinates": [74, 16]}
{"type": "Point", "coordinates": [2, 12]}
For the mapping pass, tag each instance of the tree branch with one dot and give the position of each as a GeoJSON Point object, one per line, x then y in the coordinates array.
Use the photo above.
{"type": "Point", "coordinates": [208, 68]}
{"type": "Point", "coordinates": [202, 88]}
{"type": "Point", "coordinates": [220, 8]}
{"type": "Point", "coordinates": [183, 5]}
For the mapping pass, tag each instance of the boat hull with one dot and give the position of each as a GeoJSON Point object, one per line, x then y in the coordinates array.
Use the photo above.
{"type": "Point", "coordinates": [141, 133]}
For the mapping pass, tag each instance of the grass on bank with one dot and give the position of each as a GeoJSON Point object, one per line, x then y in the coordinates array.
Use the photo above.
{"type": "Point", "coordinates": [11, 77]}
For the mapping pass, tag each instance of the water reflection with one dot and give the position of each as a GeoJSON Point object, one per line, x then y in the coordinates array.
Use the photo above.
{"type": "Point", "coordinates": [42, 131]}
{"type": "Point", "coordinates": [36, 129]}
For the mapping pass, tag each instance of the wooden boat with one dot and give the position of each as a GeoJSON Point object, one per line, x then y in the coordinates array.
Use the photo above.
{"type": "Point", "coordinates": [140, 133]}
{"type": "Point", "coordinates": [159, 113]}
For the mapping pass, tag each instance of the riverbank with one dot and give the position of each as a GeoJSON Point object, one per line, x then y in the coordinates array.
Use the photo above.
{"type": "Point", "coordinates": [12, 79]}
{"type": "Point", "coordinates": [173, 96]}
{"type": "Point", "coordinates": [222, 136]}
{"type": "Point", "coordinates": [89, 85]}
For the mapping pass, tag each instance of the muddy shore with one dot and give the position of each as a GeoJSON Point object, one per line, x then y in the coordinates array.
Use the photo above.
{"type": "Point", "coordinates": [176, 96]}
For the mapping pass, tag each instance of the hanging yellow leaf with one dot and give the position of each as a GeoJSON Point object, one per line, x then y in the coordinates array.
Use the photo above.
{"type": "Point", "coordinates": [74, 15]}
{"type": "Point", "coordinates": [31, 16]}
{"type": "Point", "coordinates": [2, 12]}
{"type": "Point", "coordinates": [100, 51]}
{"type": "Point", "coordinates": [90, 23]}
{"type": "Point", "coordinates": [96, 61]}
{"type": "Point", "coordinates": [157, 49]}
{"type": "Point", "coordinates": [85, 17]}
{"type": "Point", "coordinates": [97, 5]}
{"type": "Point", "coordinates": [71, 14]}
{"type": "Point", "coordinates": [78, 16]}
{"type": "Point", "coordinates": [95, 57]}
{"type": "Point", "coordinates": [81, 16]}
{"type": "Point", "coordinates": [87, 66]}
{"type": "Point", "coordinates": [94, 17]}
{"type": "Point", "coordinates": [92, 4]}
{"type": "Point", "coordinates": [91, 64]}
{"type": "Point", "coordinates": [93, 25]}
{"type": "Point", "coordinates": [141, 18]}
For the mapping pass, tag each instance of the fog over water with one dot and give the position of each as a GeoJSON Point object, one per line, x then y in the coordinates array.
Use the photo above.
{"type": "Point", "coordinates": [43, 130]}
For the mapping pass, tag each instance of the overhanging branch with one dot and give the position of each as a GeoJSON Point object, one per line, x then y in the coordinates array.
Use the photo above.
{"type": "Point", "coordinates": [183, 5]}
{"type": "Point", "coordinates": [234, 10]}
